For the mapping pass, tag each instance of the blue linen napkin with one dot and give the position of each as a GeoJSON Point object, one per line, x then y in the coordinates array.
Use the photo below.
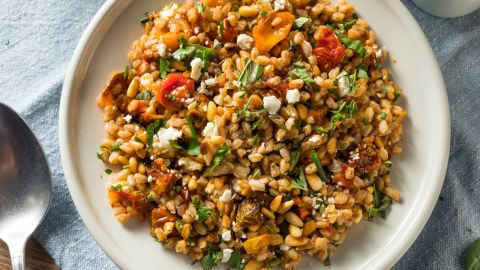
{"type": "Point", "coordinates": [37, 39]}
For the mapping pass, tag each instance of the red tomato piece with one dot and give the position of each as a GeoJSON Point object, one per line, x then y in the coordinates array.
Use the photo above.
{"type": "Point", "coordinates": [174, 89]}
{"type": "Point", "coordinates": [329, 51]}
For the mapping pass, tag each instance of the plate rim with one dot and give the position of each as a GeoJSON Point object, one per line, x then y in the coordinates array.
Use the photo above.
{"type": "Point", "coordinates": [389, 258]}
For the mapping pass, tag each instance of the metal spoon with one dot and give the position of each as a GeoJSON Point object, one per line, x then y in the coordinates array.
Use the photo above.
{"type": "Point", "coordinates": [25, 184]}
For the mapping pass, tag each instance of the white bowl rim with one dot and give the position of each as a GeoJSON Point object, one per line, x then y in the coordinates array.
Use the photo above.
{"type": "Point", "coordinates": [389, 257]}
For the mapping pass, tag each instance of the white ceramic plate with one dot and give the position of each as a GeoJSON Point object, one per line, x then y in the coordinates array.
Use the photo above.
{"type": "Point", "coordinates": [418, 173]}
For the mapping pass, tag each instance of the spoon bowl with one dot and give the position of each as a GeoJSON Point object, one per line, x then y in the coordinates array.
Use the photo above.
{"type": "Point", "coordinates": [25, 184]}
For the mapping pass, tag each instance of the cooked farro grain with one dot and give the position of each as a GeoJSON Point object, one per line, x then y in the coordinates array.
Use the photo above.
{"type": "Point", "coordinates": [252, 132]}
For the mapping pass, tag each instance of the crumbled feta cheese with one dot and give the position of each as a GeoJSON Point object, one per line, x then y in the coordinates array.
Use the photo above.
{"type": "Point", "coordinates": [314, 138]}
{"type": "Point", "coordinates": [226, 254]}
{"type": "Point", "coordinates": [293, 96]}
{"type": "Point", "coordinates": [279, 5]}
{"type": "Point", "coordinates": [354, 156]}
{"type": "Point", "coordinates": [331, 200]}
{"type": "Point", "coordinates": [168, 11]}
{"type": "Point", "coordinates": [190, 165]}
{"type": "Point", "coordinates": [335, 166]}
{"type": "Point", "coordinates": [314, 212]}
{"type": "Point", "coordinates": [378, 54]}
{"type": "Point", "coordinates": [128, 118]}
{"type": "Point", "coordinates": [146, 80]}
{"type": "Point", "coordinates": [210, 130]}
{"type": "Point", "coordinates": [196, 65]}
{"type": "Point", "coordinates": [165, 135]}
{"type": "Point", "coordinates": [226, 196]}
{"type": "Point", "coordinates": [227, 236]}
{"type": "Point", "coordinates": [244, 42]}
{"type": "Point", "coordinates": [271, 104]}
{"type": "Point", "coordinates": [244, 236]}
{"type": "Point", "coordinates": [196, 30]}
{"type": "Point", "coordinates": [162, 49]}
{"type": "Point", "coordinates": [343, 86]}
{"type": "Point", "coordinates": [150, 179]}
{"type": "Point", "coordinates": [284, 247]}
{"type": "Point", "coordinates": [189, 101]}
{"type": "Point", "coordinates": [211, 81]}
{"type": "Point", "coordinates": [203, 88]}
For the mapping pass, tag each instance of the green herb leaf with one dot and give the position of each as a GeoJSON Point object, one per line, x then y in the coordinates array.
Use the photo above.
{"type": "Point", "coordinates": [126, 72]}
{"type": "Point", "coordinates": [472, 256]}
{"type": "Point", "coordinates": [221, 27]}
{"type": "Point", "coordinates": [204, 213]}
{"type": "Point", "coordinates": [352, 79]}
{"type": "Point", "coordinates": [362, 72]}
{"type": "Point", "coordinates": [218, 158]}
{"type": "Point", "coordinates": [200, 7]}
{"type": "Point", "coordinates": [151, 196]}
{"type": "Point", "coordinates": [191, 51]}
{"type": "Point", "coordinates": [299, 22]}
{"type": "Point", "coordinates": [145, 19]}
{"type": "Point", "coordinates": [320, 130]}
{"type": "Point", "coordinates": [263, 13]}
{"type": "Point", "coordinates": [355, 45]}
{"type": "Point", "coordinates": [164, 67]}
{"type": "Point", "coordinates": [115, 148]}
{"type": "Point", "coordinates": [211, 259]}
{"type": "Point", "coordinates": [193, 148]}
{"type": "Point", "coordinates": [347, 25]}
{"type": "Point", "coordinates": [108, 171]}
{"type": "Point", "coordinates": [100, 156]}
{"type": "Point", "coordinates": [292, 44]}
{"type": "Point", "coordinates": [259, 123]}
{"type": "Point", "coordinates": [318, 164]}
{"type": "Point", "coordinates": [181, 41]}
{"type": "Point", "coordinates": [216, 43]}
{"type": "Point", "coordinates": [117, 187]}
{"type": "Point", "coordinates": [383, 115]}
{"type": "Point", "coordinates": [274, 263]}
{"type": "Point", "coordinates": [299, 70]}
{"type": "Point", "coordinates": [256, 138]}
{"type": "Point", "coordinates": [191, 126]}
{"type": "Point", "coordinates": [270, 229]}
{"type": "Point", "coordinates": [350, 108]}
{"type": "Point", "coordinates": [396, 96]}
{"type": "Point", "coordinates": [175, 145]}
{"type": "Point", "coordinates": [250, 73]}
{"type": "Point", "coordinates": [327, 262]}
{"type": "Point", "coordinates": [300, 182]}
{"type": "Point", "coordinates": [294, 157]}
{"type": "Point", "coordinates": [382, 204]}
{"type": "Point", "coordinates": [235, 261]}
{"type": "Point", "coordinates": [153, 128]}
{"type": "Point", "coordinates": [145, 95]}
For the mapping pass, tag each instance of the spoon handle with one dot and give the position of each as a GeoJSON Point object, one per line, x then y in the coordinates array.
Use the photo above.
{"type": "Point", "coordinates": [17, 255]}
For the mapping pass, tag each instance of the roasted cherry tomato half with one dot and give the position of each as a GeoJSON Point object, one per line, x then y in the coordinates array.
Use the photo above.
{"type": "Point", "coordinates": [329, 51]}
{"type": "Point", "coordinates": [174, 89]}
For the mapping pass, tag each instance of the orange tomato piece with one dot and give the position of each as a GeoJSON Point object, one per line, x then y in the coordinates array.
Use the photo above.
{"type": "Point", "coordinates": [303, 209]}
{"type": "Point", "coordinates": [170, 39]}
{"type": "Point", "coordinates": [329, 51]}
{"type": "Point", "coordinates": [173, 89]}
{"type": "Point", "coordinates": [267, 36]}
{"type": "Point", "coordinates": [256, 244]}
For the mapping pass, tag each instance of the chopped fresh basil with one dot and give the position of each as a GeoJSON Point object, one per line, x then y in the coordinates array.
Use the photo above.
{"type": "Point", "coordinates": [259, 123]}
{"type": "Point", "coordinates": [365, 122]}
{"type": "Point", "coordinates": [362, 72]}
{"type": "Point", "coordinates": [151, 196]}
{"type": "Point", "coordinates": [117, 187]}
{"type": "Point", "coordinates": [176, 146]}
{"type": "Point", "coordinates": [126, 72]}
{"type": "Point", "coordinates": [355, 45]}
{"type": "Point", "coordinates": [164, 67]}
{"type": "Point", "coordinates": [250, 73]}
{"type": "Point", "coordinates": [384, 89]}
{"type": "Point", "coordinates": [108, 171]}
{"type": "Point", "coordinates": [350, 108]}
{"type": "Point", "coordinates": [300, 182]}
{"type": "Point", "coordinates": [235, 261]}
{"type": "Point", "coordinates": [382, 203]}
{"type": "Point", "coordinates": [388, 163]}
{"type": "Point", "coordinates": [153, 128]}
{"type": "Point", "coordinates": [99, 156]}
{"type": "Point", "coordinates": [320, 130]}
{"type": "Point", "coordinates": [327, 262]}
{"type": "Point", "coordinates": [270, 229]}
{"type": "Point", "coordinates": [200, 7]}
{"type": "Point", "coordinates": [383, 115]}
{"type": "Point", "coordinates": [256, 138]}
{"type": "Point", "coordinates": [299, 70]}
{"type": "Point", "coordinates": [472, 256]}
{"type": "Point", "coordinates": [181, 41]}
{"type": "Point", "coordinates": [145, 95]}
{"type": "Point", "coordinates": [342, 146]}
{"type": "Point", "coordinates": [294, 157]}
{"type": "Point", "coordinates": [137, 139]}
{"type": "Point", "coordinates": [347, 25]}
{"type": "Point", "coordinates": [274, 263]}
{"type": "Point", "coordinates": [299, 22]}
{"type": "Point", "coordinates": [211, 259]}
{"type": "Point", "coordinates": [172, 97]}
{"type": "Point", "coordinates": [218, 158]}
{"type": "Point", "coordinates": [191, 126]}
{"type": "Point", "coordinates": [115, 148]}
{"type": "Point", "coordinates": [204, 213]}
{"type": "Point", "coordinates": [193, 148]}
{"type": "Point", "coordinates": [318, 164]}
{"type": "Point", "coordinates": [263, 13]}
{"type": "Point", "coordinates": [352, 78]}
{"type": "Point", "coordinates": [396, 96]}
{"type": "Point", "coordinates": [292, 44]}
{"type": "Point", "coordinates": [145, 19]}
{"type": "Point", "coordinates": [190, 51]}
{"type": "Point", "coordinates": [216, 43]}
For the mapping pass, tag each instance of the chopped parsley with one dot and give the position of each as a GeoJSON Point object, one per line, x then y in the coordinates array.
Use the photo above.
{"type": "Point", "coordinates": [382, 203]}
{"type": "Point", "coordinates": [362, 72]}
{"type": "Point", "coordinates": [216, 43]}
{"type": "Point", "coordinates": [100, 156]}
{"type": "Point", "coordinates": [250, 73]}
{"type": "Point", "coordinates": [181, 41]}
{"type": "Point", "coordinates": [172, 97]}
{"type": "Point", "coordinates": [256, 138]}
{"type": "Point", "coordinates": [108, 171]}
{"type": "Point", "coordinates": [126, 72]}
{"type": "Point", "coordinates": [221, 27]}
{"type": "Point", "coordinates": [235, 261]}
{"type": "Point", "coordinates": [299, 70]}
{"type": "Point", "coordinates": [263, 13]}
{"type": "Point", "coordinates": [193, 147]}
{"type": "Point", "coordinates": [347, 25]}
{"type": "Point", "coordinates": [339, 115]}
{"type": "Point", "coordinates": [163, 67]}
{"type": "Point", "coordinates": [354, 45]}
{"type": "Point", "coordinates": [300, 182]}
{"type": "Point", "coordinates": [115, 148]}
{"type": "Point", "coordinates": [211, 259]}
{"type": "Point", "coordinates": [200, 7]}
{"type": "Point", "coordinates": [318, 164]}
{"type": "Point", "coordinates": [153, 128]}
{"type": "Point", "coordinates": [145, 95]}
{"type": "Point", "coordinates": [274, 263]}
{"type": "Point", "coordinates": [218, 158]}
{"type": "Point", "coordinates": [294, 157]}
{"type": "Point", "coordinates": [190, 51]}
{"type": "Point", "coordinates": [117, 187]}
{"type": "Point", "coordinates": [270, 229]}
{"type": "Point", "coordinates": [191, 126]}
{"type": "Point", "coordinates": [299, 22]}
{"type": "Point", "coordinates": [396, 96]}
{"type": "Point", "coordinates": [145, 19]}
{"type": "Point", "coordinates": [383, 115]}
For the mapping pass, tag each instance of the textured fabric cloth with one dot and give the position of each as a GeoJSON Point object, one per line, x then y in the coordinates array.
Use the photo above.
{"type": "Point", "coordinates": [37, 39]}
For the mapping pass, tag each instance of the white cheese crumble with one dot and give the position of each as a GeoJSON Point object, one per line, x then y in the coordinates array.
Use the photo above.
{"type": "Point", "coordinates": [331, 200]}
{"type": "Point", "coordinates": [256, 185]}
{"type": "Point", "coordinates": [279, 5]}
{"type": "Point", "coordinates": [196, 30]}
{"type": "Point", "coordinates": [271, 104]}
{"type": "Point", "coordinates": [211, 81]}
{"type": "Point", "coordinates": [378, 54]}
{"type": "Point", "coordinates": [210, 130]}
{"type": "Point", "coordinates": [226, 196]}
{"type": "Point", "coordinates": [202, 89]}
{"type": "Point", "coordinates": [244, 42]}
{"type": "Point", "coordinates": [284, 247]}
{"type": "Point", "coordinates": [343, 86]}
{"type": "Point", "coordinates": [227, 236]}
{"type": "Point", "coordinates": [162, 49]}
{"type": "Point", "coordinates": [146, 80]}
{"type": "Point", "coordinates": [196, 65]}
{"type": "Point", "coordinates": [150, 179]}
{"type": "Point", "coordinates": [168, 11]}
{"type": "Point", "coordinates": [165, 135]}
{"type": "Point", "coordinates": [128, 118]}
{"type": "Point", "coordinates": [226, 254]}
{"type": "Point", "coordinates": [293, 96]}
{"type": "Point", "coordinates": [314, 138]}
{"type": "Point", "coordinates": [335, 166]}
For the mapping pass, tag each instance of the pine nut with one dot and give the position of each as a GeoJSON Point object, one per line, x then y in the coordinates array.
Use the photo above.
{"type": "Point", "coordinates": [284, 207]}
{"type": "Point", "coordinates": [275, 203]}
{"type": "Point", "coordinates": [293, 219]}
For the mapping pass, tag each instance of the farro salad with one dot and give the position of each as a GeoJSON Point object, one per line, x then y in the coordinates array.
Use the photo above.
{"type": "Point", "coordinates": [252, 133]}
